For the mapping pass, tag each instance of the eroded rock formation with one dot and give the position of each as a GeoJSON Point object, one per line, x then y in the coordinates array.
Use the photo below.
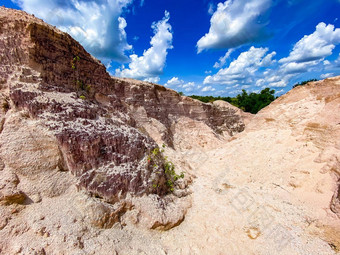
{"type": "Point", "coordinates": [62, 112]}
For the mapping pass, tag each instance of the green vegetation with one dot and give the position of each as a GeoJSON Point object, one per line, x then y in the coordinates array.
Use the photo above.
{"type": "Point", "coordinates": [304, 82]}
{"type": "Point", "coordinates": [155, 156]}
{"type": "Point", "coordinates": [74, 62]}
{"type": "Point", "coordinates": [252, 102]}
{"type": "Point", "coordinates": [83, 87]}
{"type": "Point", "coordinates": [171, 175]}
{"type": "Point", "coordinates": [82, 97]}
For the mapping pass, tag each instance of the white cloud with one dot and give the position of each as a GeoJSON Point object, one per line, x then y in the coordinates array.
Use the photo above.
{"type": "Point", "coordinates": [96, 24]}
{"type": "Point", "coordinates": [235, 92]}
{"type": "Point", "coordinates": [279, 92]}
{"type": "Point", "coordinates": [337, 62]}
{"type": "Point", "coordinates": [243, 69]}
{"type": "Point", "coordinates": [315, 46]}
{"type": "Point", "coordinates": [174, 81]}
{"type": "Point", "coordinates": [211, 9]}
{"type": "Point", "coordinates": [309, 53]}
{"type": "Point", "coordinates": [245, 86]}
{"type": "Point", "coordinates": [188, 87]}
{"type": "Point", "coordinates": [297, 68]}
{"type": "Point", "coordinates": [234, 23]}
{"type": "Point", "coordinates": [256, 67]}
{"type": "Point", "coordinates": [222, 60]}
{"type": "Point", "coordinates": [152, 79]}
{"type": "Point", "coordinates": [326, 75]}
{"type": "Point", "coordinates": [151, 64]}
{"type": "Point", "coordinates": [268, 60]}
{"type": "Point", "coordinates": [275, 80]}
{"type": "Point", "coordinates": [208, 89]}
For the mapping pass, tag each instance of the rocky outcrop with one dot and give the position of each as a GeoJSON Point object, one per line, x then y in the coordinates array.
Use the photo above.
{"type": "Point", "coordinates": [46, 74]}
{"type": "Point", "coordinates": [148, 101]}
{"type": "Point", "coordinates": [63, 114]}
{"type": "Point", "coordinates": [245, 116]}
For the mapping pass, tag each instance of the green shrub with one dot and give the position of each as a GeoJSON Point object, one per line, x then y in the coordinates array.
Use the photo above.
{"type": "Point", "coordinates": [304, 82]}
{"type": "Point", "coordinates": [156, 155]}
{"type": "Point", "coordinates": [252, 102]}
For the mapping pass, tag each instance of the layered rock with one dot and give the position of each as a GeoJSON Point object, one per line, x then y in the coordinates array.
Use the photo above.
{"type": "Point", "coordinates": [62, 112]}
{"type": "Point", "coordinates": [46, 73]}
{"type": "Point", "coordinates": [148, 101]}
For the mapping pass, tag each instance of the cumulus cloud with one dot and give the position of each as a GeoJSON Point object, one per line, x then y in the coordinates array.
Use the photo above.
{"type": "Point", "coordinates": [315, 46]}
{"type": "Point", "coordinates": [243, 69]}
{"type": "Point", "coordinates": [309, 53]}
{"type": "Point", "coordinates": [337, 62]}
{"type": "Point", "coordinates": [222, 60]}
{"type": "Point", "coordinates": [151, 64]}
{"type": "Point", "coordinates": [326, 75]}
{"type": "Point", "coordinates": [208, 89]}
{"type": "Point", "coordinates": [234, 23]}
{"type": "Point", "coordinates": [96, 24]}
{"type": "Point", "coordinates": [155, 79]}
{"type": "Point", "coordinates": [279, 92]}
{"type": "Point", "coordinates": [326, 62]}
{"type": "Point", "coordinates": [274, 79]}
{"type": "Point", "coordinates": [174, 81]}
{"type": "Point", "coordinates": [188, 87]}
{"type": "Point", "coordinates": [297, 68]}
{"type": "Point", "coordinates": [177, 84]}
{"type": "Point", "coordinates": [256, 67]}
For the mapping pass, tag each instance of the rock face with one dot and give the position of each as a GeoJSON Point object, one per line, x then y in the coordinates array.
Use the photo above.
{"type": "Point", "coordinates": [150, 101]}
{"type": "Point", "coordinates": [48, 77]}
{"type": "Point", "coordinates": [246, 116]}
{"type": "Point", "coordinates": [66, 122]}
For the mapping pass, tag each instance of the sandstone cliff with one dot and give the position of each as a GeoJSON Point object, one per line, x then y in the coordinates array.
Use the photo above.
{"type": "Point", "coordinates": [82, 172]}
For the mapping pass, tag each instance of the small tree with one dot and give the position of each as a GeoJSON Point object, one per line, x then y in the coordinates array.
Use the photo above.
{"type": "Point", "coordinates": [304, 82]}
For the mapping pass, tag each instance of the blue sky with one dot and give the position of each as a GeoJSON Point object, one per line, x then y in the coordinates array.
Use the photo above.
{"type": "Point", "coordinates": [205, 47]}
